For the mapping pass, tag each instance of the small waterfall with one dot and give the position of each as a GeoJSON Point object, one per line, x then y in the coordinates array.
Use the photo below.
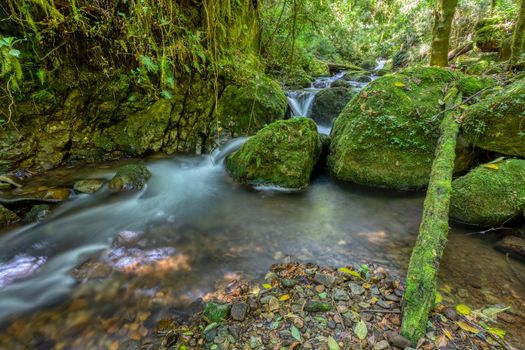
{"type": "Point", "coordinates": [219, 154]}
{"type": "Point", "coordinates": [301, 101]}
{"type": "Point", "coordinates": [380, 64]}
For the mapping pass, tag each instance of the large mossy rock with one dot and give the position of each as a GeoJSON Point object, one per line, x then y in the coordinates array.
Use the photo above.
{"type": "Point", "coordinates": [386, 136]}
{"type": "Point", "coordinates": [329, 103]}
{"type": "Point", "coordinates": [490, 34]}
{"type": "Point", "coordinates": [282, 154]}
{"type": "Point", "coordinates": [497, 122]}
{"type": "Point", "coordinates": [243, 110]}
{"type": "Point", "coordinates": [490, 194]}
{"type": "Point", "coordinates": [131, 177]}
{"type": "Point", "coordinates": [7, 216]}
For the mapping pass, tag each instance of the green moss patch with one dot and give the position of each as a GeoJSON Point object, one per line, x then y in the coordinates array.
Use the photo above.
{"type": "Point", "coordinates": [283, 154]}
{"type": "Point", "coordinates": [490, 194]}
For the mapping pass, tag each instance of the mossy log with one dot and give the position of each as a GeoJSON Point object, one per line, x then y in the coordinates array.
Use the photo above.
{"type": "Point", "coordinates": [423, 269]}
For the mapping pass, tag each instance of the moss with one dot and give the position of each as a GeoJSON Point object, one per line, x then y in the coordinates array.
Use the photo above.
{"type": "Point", "coordinates": [386, 135]}
{"type": "Point", "coordinates": [490, 34]}
{"type": "Point", "coordinates": [215, 312]}
{"type": "Point", "coordinates": [243, 110]}
{"type": "Point", "coordinates": [131, 177]}
{"type": "Point", "coordinates": [283, 154]}
{"type": "Point", "coordinates": [490, 194]}
{"type": "Point", "coordinates": [329, 103]}
{"type": "Point", "coordinates": [471, 85]}
{"type": "Point", "coordinates": [497, 122]}
{"type": "Point", "coordinates": [7, 216]}
{"type": "Point", "coordinates": [317, 68]}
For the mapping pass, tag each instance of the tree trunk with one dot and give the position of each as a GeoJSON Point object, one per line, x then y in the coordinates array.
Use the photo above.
{"type": "Point", "coordinates": [517, 37]}
{"type": "Point", "coordinates": [443, 15]}
{"type": "Point", "coordinates": [421, 281]}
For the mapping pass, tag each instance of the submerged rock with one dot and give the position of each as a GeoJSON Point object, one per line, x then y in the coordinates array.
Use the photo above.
{"type": "Point", "coordinates": [329, 103]}
{"type": "Point", "coordinates": [514, 245]}
{"type": "Point", "coordinates": [7, 216]}
{"type": "Point", "coordinates": [38, 213]}
{"type": "Point", "coordinates": [282, 154]}
{"type": "Point", "coordinates": [496, 123]}
{"type": "Point", "coordinates": [131, 177]}
{"type": "Point", "coordinates": [490, 194]}
{"type": "Point", "coordinates": [386, 136]}
{"type": "Point", "coordinates": [88, 186]}
{"type": "Point", "coordinates": [243, 110]}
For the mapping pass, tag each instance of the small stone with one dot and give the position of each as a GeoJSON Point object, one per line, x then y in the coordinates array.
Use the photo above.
{"type": "Point", "coordinates": [340, 295]}
{"type": "Point", "coordinates": [131, 177]}
{"type": "Point", "coordinates": [356, 288]}
{"type": "Point", "coordinates": [326, 280]}
{"type": "Point", "coordinates": [288, 283]}
{"type": "Point", "coordinates": [239, 311]}
{"type": "Point", "coordinates": [382, 345]}
{"type": "Point", "coordinates": [451, 314]}
{"type": "Point", "coordinates": [383, 304]}
{"type": "Point", "coordinates": [319, 288]}
{"type": "Point", "coordinates": [298, 322]}
{"type": "Point", "coordinates": [234, 330]}
{"type": "Point", "coordinates": [392, 297]}
{"type": "Point", "coordinates": [331, 324]}
{"type": "Point", "coordinates": [129, 344]}
{"type": "Point", "coordinates": [88, 186]}
{"type": "Point", "coordinates": [38, 213]}
{"type": "Point", "coordinates": [273, 304]}
{"type": "Point", "coordinates": [57, 194]}
{"type": "Point", "coordinates": [7, 216]}
{"type": "Point", "coordinates": [255, 342]}
{"type": "Point", "coordinates": [317, 306]}
{"type": "Point", "coordinates": [398, 340]}
{"type": "Point", "coordinates": [210, 334]}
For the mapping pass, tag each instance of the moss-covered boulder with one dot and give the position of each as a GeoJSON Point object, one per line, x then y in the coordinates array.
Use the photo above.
{"type": "Point", "coordinates": [316, 68]}
{"type": "Point", "coordinates": [282, 154]}
{"type": "Point", "coordinates": [329, 103]}
{"type": "Point", "coordinates": [386, 136]}
{"type": "Point", "coordinates": [490, 34]}
{"type": "Point", "coordinates": [490, 194]}
{"type": "Point", "coordinates": [243, 110]}
{"type": "Point", "coordinates": [496, 123]}
{"type": "Point", "coordinates": [7, 216]}
{"type": "Point", "coordinates": [131, 177]}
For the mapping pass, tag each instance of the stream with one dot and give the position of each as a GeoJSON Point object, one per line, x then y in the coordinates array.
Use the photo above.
{"type": "Point", "coordinates": [106, 267]}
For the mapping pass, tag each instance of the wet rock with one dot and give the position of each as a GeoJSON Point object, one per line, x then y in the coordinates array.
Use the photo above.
{"type": "Point", "coordinates": [255, 342]}
{"type": "Point", "coordinates": [129, 345]}
{"type": "Point", "coordinates": [317, 306]}
{"type": "Point", "coordinates": [88, 186]}
{"type": "Point", "coordinates": [131, 177]}
{"type": "Point", "coordinates": [340, 295]}
{"type": "Point", "coordinates": [383, 304]}
{"type": "Point", "coordinates": [288, 283]}
{"type": "Point", "coordinates": [215, 312]}
{"type": "Point", "coordinates": [7, 217]}
{"type": "Point", "coordinates": [38, 213]}
{"type": "Point", "coordinates": [490, 194]}
{"type": "Point", "coordinates": [326, 280]}
{"type": "Point", "coordinates": [239, 311]}
{"type": "Point", "coordinates": [450, 313]}
{"type": "Point", "coordinates": [57, 194]}
{"type": "Point", "coordinates": [329, 103]}
{"type": "Point", "coordinates": [282, 154]}
{"type": "Point", "coordinates": [496, 122]}
{"type": "Point", "coordinates": [386, 135]}
{"type": "Point", "coordinates": [514, 245]}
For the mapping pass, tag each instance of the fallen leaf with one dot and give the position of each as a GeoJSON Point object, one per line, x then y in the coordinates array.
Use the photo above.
{"type": "Point", "coordinates": [442, 341]}
{"type": "Point", "coordinates": [399, 84]}
{"type": "Point", "coordinates": [295, 333]}
{"type": "Point", "coordinates": [332, 344]}
{"type": "Point", "coordinates": [497, 332]}
{"type": "Point", "coordinates": [439, 298]}
{"type": "Point", "coordinates": [463, 309]}
{"type": "Point", "coordinates": [349, 272]}
{"type": "Point", "coordinates": [491, 166]}
{"type": "Point", "coordinates": [360, 330]}
{"type": "Point", "coordinates": [467, 327]}
{"type": "Point", "coordinates": [492, 312]}
{"type": "Point", "coordinates": [284, 297]}
{"type": "Point", "coordinates": [267, 286]}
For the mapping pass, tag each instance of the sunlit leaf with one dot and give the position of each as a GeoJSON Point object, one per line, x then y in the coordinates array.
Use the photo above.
{"type": "Point", "coordinates": [399, 84]}
{"type": "Point", "coordinates": [349, 272]}
{"type": "Point", "coordinates": [295, 333]}
{"type": "Point", "coordinates": [360, 330]}
{"type": "Point", "coordinates": [323, 295]}
{"type": "Point", "coordinates": [332, 344]}
{"type": "Point", "coordinates": [439, 298]}
{"type": "Point", "coordinates": [491, 166]}
{"type": "Point", "coordinates": [497, 332]}
{"type": "Point", "coordinates": [463, 309]}
{"type": "Point", "coordinates": [284, 297]}
{"type": "Point", "coordinates": [467, 327]}
{"type": "Point", "coordinates": [267, 286]}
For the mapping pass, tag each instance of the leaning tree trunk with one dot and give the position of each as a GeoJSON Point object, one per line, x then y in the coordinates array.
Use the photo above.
{"type": "Point", "coordinates": [517, 37]}
{"type": "Point", "coordinates": [421, 281]}
{"type": "Point", "coordinates": [443, 15]}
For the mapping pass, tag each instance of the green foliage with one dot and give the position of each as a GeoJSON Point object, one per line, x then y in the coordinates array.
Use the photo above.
{"type": "Point", "coordinates": [10, 67]}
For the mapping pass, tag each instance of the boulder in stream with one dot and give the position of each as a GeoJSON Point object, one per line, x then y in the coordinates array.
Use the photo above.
{"type": "Point", "coordinates": [131, 177]}
{"type": "Point", "coordinates": [88, 185]}
{"type": "Point", "coordinates": [513, 245]}
{"type": "Point", "coordinates": [490, 194]}
{"type": "Point", "coordinates": [7, 217]}
{"type": "Point", "coordinates": [282, 154]}
{"type": "Point", "coordinates": [329, 103]}
{"type": "Point", "coordinates": [496, 123]}
{"type": "Point", "coordinates": [386, 136]}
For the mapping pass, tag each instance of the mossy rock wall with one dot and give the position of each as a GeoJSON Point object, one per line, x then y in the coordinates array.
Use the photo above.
{"type": "Point", "coordinates": [99, 120]}
{"type": "Point", "coordinates": [386, 136]}
{"type": "Point", "coordinates": [490, 194]}
{"type": "Point", "coordinates": [497, 122]}
{"type": "Point", "coordinates": [490, 34]}
{"type": "Point", "coordinates": [282, 154]}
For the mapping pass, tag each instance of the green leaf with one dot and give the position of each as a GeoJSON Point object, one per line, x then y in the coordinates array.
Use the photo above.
{"type": "Point", "coordinates": [14, 52]}
{"type": "Point", "coordinates": [149, 64]}
{"type": "Point", "coordinates": [350, 272]}
{"type": "Point", "coordinates": [165, 94]}
{"type": "Point", "coordinates": [296, 334]}
{"type": "Point", "coordinates": [492, 312]}
{"type": "Point", "coordinates": [439, 298]}
{"type": "Point", "coordinates": [360, 330]}
{"type": "Point", "coordinates": [267, 286]}
{"type": "Point", "coordinates": [497, 332]}
{"type": "Point", "coordinates": [322, 295]}
{"type": "Point", "coordinates": [463, 309]}
{"type": "Point", "coordinates": [332, 344]}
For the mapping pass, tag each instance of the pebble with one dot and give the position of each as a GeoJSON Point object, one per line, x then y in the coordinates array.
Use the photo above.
{"type": "Point", "coordinates": [288, 283]}
{"type": "Point", "coordinates": [317, 306]}
{"type": "Point", "coordinates": [239, 311]}
{"type": "Point", "coordinates": [398, 340]}
{"type": "Point", "coordinates": [326, 280]}
{"type": "Point", "coordinates": [356, 288]}
{"type": "Point", "coordinates": [382, 345]}
{"type": "Point", "coordinates": [340, 295]}
{"type": "Point", "coordinates": [451, 314]}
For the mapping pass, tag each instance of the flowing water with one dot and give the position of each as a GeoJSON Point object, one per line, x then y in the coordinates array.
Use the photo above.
{"type": "Point", "coordinates": [106, 267]}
